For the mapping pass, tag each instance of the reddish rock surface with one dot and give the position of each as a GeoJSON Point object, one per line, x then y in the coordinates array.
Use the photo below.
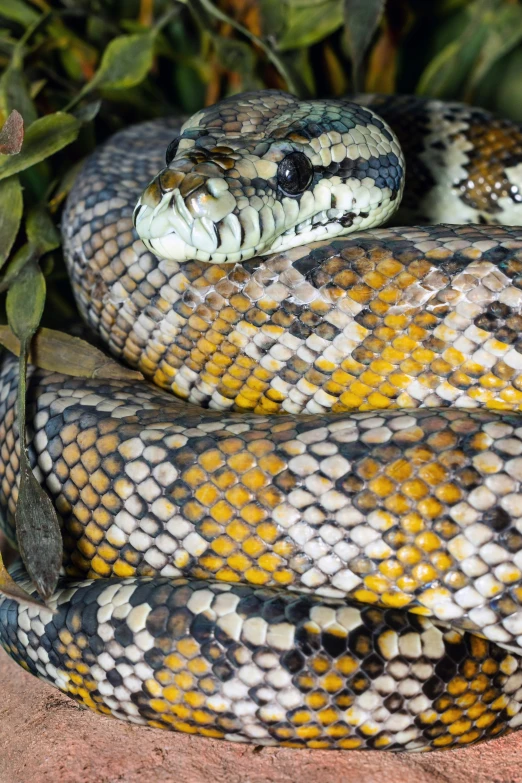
{"type": "Point", "coordinates": [46, 738]}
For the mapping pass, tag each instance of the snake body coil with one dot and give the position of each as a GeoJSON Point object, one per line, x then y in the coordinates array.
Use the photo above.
{"type": "Point", "coordinates": [231, 526]}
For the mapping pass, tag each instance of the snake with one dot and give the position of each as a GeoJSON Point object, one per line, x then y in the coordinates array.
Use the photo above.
{"type": "Point", "coordinates": [304, 527]}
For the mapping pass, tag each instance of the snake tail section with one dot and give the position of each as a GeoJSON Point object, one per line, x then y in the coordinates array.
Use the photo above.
{"type": "Point", "coordinates": [257, 665]}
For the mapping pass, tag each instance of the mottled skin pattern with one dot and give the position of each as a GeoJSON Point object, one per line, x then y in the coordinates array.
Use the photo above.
{"type": "Point", "coordinates": [464, 164]}
{"type": "Point", "coordinates": [391, 318]}
{"type": "Point", "coordinates": [228, 540]}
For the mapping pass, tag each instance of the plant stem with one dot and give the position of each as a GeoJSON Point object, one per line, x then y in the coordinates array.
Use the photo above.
{"type": "Point", "coordinates": [271, 55]}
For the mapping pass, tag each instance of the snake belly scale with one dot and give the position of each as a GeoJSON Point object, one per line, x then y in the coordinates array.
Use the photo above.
{"type": "Point", "coordinates": [316, 541]}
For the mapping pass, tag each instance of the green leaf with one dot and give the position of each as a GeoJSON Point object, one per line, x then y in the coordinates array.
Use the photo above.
{"type": "Point", "coordinates": [440, 79]}
{"type": "Point", "coordinates": [35, 88]}
{"type": "Point", "coordinates": [88, 111]}
{"type": "Point", "coordinates": [297, 63]}
{"type": "Point", "coordinates": [63, 353]}
{"type": "Point", "coordinates": [501, 88]}
{"type": "Point", "coordinates": [188, 87]}
{"type": "Point", "coordinates": [38, 532]}
{"type": "Point", "coordinates": [14, 94]}
{"type": "Point", "coordinates": [509, 87]}
{"type": "Point", "coordinates": [272, 13]}
{"type": "Point", "coordinates": [239, 57]}
{"type": "Point", "coordinates": [504, 33]}
{"type": "Point", "coordinates": [361, 19]}
{"type": "Point", "coordinates": [447, 72]}
{"type": "Point", "coordinates": [309, 21]}
{"type": "Point", "coordinates": [235, 55]}
{"type": "Point", "coordinates": [41, 231]}
{"type": "Point", "coordinates": [37, 528]}
{"type": "Point", "coordinates": [25, 302]}
{"type": "Point", "coordinates": [126, 61]}
{"type": "Point", "coordinates": [276, 61]}
{"type": "Point", "coordinates": [22, 257]}
{"type": "Point", "coordinates": [17, 11]}
{"type": "Point", "coordinates": [43, 138]}
{"type": "Point", "coordinates": [65, 185]}
{"type": "Point", "coordinates": [11, 208]}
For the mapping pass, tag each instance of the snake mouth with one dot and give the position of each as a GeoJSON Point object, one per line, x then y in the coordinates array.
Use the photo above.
{"type": "Point", "coordinates": [177, 229]}
{"type": "Point", "coordinates": [202, 225]}
{"type": "Point", "coordinates": [166, 232]}
{"type": "Point", "coordinates": [172, 233]}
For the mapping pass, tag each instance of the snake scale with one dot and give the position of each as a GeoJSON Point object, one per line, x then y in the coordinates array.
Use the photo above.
{"type": "Point", "coordinates": [316, 539]}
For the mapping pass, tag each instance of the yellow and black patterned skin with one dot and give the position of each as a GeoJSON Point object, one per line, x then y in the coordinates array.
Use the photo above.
{"type": "Point", "coordinates": [464, 163]}
{"type": "Point", "coordinates": [316, 539]}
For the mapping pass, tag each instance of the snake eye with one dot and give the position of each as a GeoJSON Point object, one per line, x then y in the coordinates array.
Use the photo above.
{"type": "Point", "coordinates": [171, 150]}
{"type": "Point", "coordinates": [294, 173]}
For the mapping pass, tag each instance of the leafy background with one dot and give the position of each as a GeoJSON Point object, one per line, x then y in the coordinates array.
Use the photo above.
{"type": "Point", "coordinates": [75, 71]}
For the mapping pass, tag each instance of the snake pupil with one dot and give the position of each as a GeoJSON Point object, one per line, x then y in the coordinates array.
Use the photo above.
{"type": "Point", "coordinates": [171, 150]}
{"type": "Point", "coordinates": [294, 173]}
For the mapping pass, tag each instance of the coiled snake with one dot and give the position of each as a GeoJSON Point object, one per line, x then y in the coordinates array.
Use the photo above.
{"type": "Point", "coordinates": [231, 521]}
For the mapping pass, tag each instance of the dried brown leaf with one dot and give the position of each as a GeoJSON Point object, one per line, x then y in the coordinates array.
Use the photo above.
{"type": "Point", "coordinates": [11, 589]}
{"type": "Point", "coordinates": [12, 134]}
{"type": "Point", "coordinates": [60, 352]}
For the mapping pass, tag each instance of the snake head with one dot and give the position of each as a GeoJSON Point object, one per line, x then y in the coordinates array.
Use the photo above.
{"type": "Point", "coordinates": [263, 172]}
